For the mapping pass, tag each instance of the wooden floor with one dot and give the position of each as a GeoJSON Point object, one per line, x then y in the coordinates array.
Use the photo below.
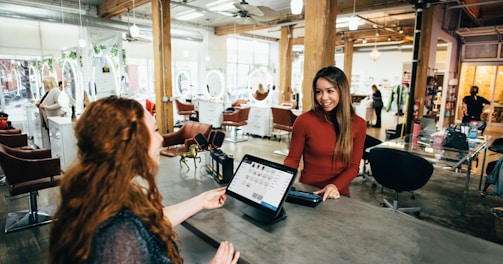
{"type": "Point", "coordinates": [439, 202]}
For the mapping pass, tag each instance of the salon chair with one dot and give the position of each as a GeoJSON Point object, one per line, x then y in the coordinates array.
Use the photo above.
{"type": "Point", "coordinates": [15, 140]}
{"type": "Point", "coordinates": [283, 119]}
{"type": "Point", "coordinates": [185, 109]}
{"type": "Point", "coordinates": [27, 171]}
{"type": "Point", "coordinates": [236, 119]}
{"type": "Point", "coordinates": [10, 131]}
{"type": "Point", "coordinates": [399, 171]}
{"type": "Point", "coordinates": [180, 140]}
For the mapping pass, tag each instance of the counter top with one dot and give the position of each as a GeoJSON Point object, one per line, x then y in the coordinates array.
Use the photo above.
{"type": "Point", "coordinates": [343, 230]}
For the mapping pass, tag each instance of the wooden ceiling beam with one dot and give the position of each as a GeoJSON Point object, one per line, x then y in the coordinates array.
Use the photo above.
{"type": "Point", "coordinates": [111, 8]}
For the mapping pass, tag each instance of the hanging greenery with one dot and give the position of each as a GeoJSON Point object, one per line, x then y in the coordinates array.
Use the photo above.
{"type": "Point", "coordinates": [98, 49]}
{"type": "Point", "coordinates": [73, 56]}
{"type": "Point", "coordinates": [48, 62]}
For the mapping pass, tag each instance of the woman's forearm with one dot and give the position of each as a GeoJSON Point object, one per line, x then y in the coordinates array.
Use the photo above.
{"type": "Point", "coordinates": [179, 212]}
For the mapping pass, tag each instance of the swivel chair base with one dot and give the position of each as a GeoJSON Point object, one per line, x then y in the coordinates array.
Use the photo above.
{"type": "Point", "coordinates": [27, 218]}
{"type": "Point", "coordinates": [24, 219]}
{"type": "Point", "coordinates": [235, 138]}
{"type": "Point", "coordinates": [394, 207]}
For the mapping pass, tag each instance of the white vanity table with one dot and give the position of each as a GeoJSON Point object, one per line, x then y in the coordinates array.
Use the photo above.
{"type": "Point", "coordinates": [63, 143]}
{"type": "Point", "coordinates": [211, 113]}
{"type": "Point", "coordinates": [259, 121]}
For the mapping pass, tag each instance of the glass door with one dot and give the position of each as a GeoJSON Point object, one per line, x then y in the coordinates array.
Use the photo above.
{"type": "Point", "coordinates": [497, 102]}
{"type": "Point", "coordinates": [489, 79]}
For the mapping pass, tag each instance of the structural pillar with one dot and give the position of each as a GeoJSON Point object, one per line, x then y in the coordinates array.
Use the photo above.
{"type": "Point", "coordinates": [348, 59]}
{"type": "Point", "coordinates": [285, 63]}
{"type": "Point", "coordinates": [161, 25]}
{"type": "Point", "coordinates": [420, 61]}
{"type": "Point", "coordinates": [319, 43]}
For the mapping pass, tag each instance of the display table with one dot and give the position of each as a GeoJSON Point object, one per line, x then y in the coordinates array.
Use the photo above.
{"type": "Point", "coordinates": [441, 157]}
{"type": "Point", "coordinates": [337, 231]}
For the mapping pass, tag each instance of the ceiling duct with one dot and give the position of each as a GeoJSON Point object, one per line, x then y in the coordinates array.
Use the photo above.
{"type": "Point", "coordinates": [44, 15]}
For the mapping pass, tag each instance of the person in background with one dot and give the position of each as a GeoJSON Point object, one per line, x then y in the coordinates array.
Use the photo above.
{"type": "Point", "coordinates": [49, 105]}
{"type": "Point", "coordinates": [111, 210]}
{"type": "Point", "coordinates": [63, 100]}
{"type": "Point", "coordinates": [329, 137]}
{"type": "Point", "coordinates": [473, 105]}
{"type": "Point", "coordinates": [377, 104]}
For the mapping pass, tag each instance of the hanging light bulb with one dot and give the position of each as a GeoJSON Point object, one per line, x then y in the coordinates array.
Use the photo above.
{"type": "Point", "coordinates": [82, 41]}
{"type": "Point", "coordinates": [353, 20]}
{"type": "Point", "coordinates": [374, 55]}
{"type": "Point", "coordinates": [296, 6]}
{"type": "Point", "coordinates": [134, 30]}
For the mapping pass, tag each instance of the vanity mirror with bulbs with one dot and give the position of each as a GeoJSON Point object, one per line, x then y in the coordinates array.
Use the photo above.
{"type": "Point", "coordinates": [260, 85]}
{"type": "Point", "coordinates": [210, 111]}
{"type": "Point", "coordinates": [182, 85]}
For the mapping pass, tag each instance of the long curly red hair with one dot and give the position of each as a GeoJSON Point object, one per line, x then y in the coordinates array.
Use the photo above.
{"type": "Point", "coordinates": [113, 159]}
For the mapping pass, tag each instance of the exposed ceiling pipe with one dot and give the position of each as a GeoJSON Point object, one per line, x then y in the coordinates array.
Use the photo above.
{"type": "Point", "coordinates": [43, 15]}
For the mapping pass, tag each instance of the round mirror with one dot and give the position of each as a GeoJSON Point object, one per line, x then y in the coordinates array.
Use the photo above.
{"type": "Point", "coordinates": [70, 80]}
{"type": "Point", "coordinates": [215, 84]}
{"type": "Point", "coordinates": [260, 83]}
{"type": "Point", "coordinates": [182, 83]}
{"type": "Point", "coordinates": [105, 78]}
{"type": "Point", "coordinates": [35, 83]}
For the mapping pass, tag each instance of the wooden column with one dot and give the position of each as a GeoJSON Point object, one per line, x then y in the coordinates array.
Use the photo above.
{"type": "Point", "coordinates": [161, 25]}
{"type": "Point", "coordinates": [348, 59]}
{"type": "Point", "coordinates": [285, 63]}
{"type": "Point", "coordinates": [423, 57]}
{"type": "Point", "coordinates": [319, 43]}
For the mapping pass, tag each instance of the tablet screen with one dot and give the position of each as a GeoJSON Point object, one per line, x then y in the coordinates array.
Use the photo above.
{"type": "Point", "coordinates": [261, 183]}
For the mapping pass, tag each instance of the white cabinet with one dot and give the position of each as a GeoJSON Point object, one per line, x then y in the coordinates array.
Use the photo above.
{"type": "Point", "coordinates": [211, 113]}
{"type": "Point", "coordinates": [259, 121]}
{"type": "Point", "coordinates": [63, 143]}
{"type": "Point", "coordinates": [35, 128]}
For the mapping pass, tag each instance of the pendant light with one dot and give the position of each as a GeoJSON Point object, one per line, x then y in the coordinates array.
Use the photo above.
{"type": "Point", "coordinates": [374, 55]}
{"type": "Point", "coordinates": [353, 20]}
{"type": "Point", "coordinates": [134, 30]}
{"type": "Point", "coordinates": [296, 6]}
{"type": "Point", "coordinates": [82, 41]}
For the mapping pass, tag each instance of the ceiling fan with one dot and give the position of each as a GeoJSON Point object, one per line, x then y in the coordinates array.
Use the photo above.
{"type": "Point", "coordinates": [250, 14]}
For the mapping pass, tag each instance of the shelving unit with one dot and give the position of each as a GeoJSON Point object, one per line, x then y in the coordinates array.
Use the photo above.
{"type": "Point", "coordinates": [450, 102]}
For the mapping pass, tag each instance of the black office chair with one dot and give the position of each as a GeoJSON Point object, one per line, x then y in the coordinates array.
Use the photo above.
{"type": "Point", "coordinates": [490, 179]}
{"type": "Point", "coordinates": [497, 147]}
{"type": "Point", "coordinates": [400, 171]}
{"type": "Point", "coordinates": [370, 141]}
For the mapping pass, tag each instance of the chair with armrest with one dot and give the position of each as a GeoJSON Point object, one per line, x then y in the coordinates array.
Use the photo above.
{"type": "Point", "coordinates": [236, 119]}
{"type": "Point", "coordinates": [10, 131]}
{"type": "Point", "coordinates": [180, 140]}
{"type": "Point", "coordinates": [399, 171]}
{"type": "Point", "coordinates": [15, 140]}
{"type": "Point", "coordinates": [370, 141]}
{"type": "Point", "coordinates": [27, 171]}
{"type": "Point", "coordinates": [283, 119]}
{"type": "Point", "coordinates": [185, 109]}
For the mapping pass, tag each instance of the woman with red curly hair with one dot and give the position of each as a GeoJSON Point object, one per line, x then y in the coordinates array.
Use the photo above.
{"type": "Point", "coordinates": [111, 210]}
